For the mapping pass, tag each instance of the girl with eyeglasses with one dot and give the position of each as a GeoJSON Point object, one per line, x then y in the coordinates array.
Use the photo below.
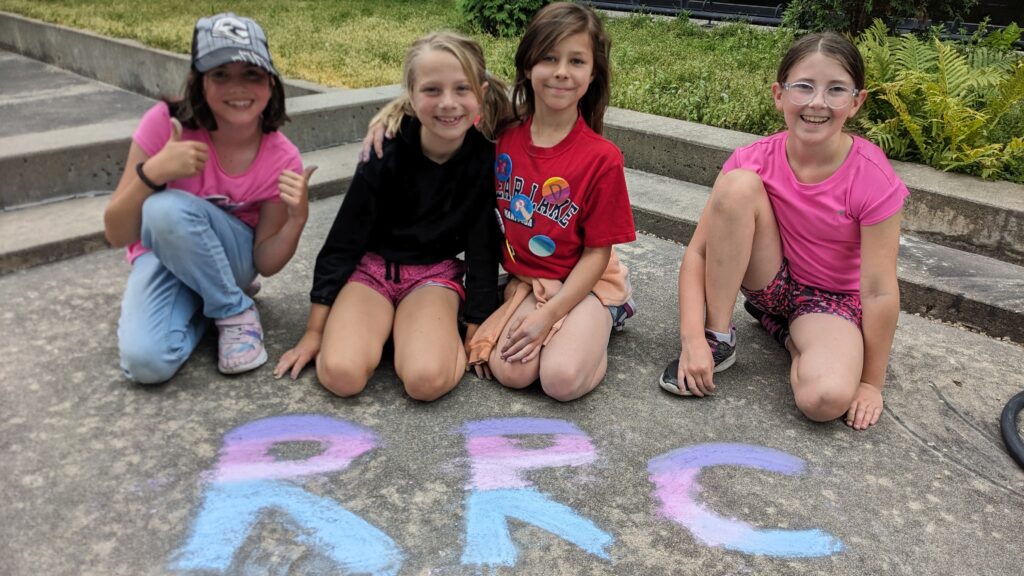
{"type": "Point", "coordinates": [806, 224]}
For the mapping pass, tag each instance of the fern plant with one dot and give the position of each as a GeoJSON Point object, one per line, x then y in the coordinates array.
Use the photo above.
{"type": "Point", "coordinates": [953, 106]}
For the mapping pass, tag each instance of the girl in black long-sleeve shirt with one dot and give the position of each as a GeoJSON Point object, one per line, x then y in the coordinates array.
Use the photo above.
{"type": "Point", "coordinates": [388, 266]}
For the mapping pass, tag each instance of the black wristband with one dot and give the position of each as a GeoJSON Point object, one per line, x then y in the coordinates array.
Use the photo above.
{"type": "Point", "coordinates": [147, 181]}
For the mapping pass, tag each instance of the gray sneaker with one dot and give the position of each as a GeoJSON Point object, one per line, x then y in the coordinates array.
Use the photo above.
{"type": "Point", "coordinates": [723, 353]}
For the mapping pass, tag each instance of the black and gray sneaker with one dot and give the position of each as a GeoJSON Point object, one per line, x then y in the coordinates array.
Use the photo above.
{"type": "Point", "coordinates": [723, 353]}
{"type": "Point", "coordinates": [776, 326]}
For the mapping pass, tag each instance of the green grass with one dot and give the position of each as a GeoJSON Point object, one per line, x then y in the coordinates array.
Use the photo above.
{"type": "Point", "coordinates": [668, 67]}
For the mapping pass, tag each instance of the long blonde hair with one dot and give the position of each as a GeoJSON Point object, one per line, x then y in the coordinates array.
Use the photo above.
{"type": "Point", "coordinates": [495, 107]}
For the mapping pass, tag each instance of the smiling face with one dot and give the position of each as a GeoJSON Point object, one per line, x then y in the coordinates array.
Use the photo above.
{"type": "Point", "coordinates": [562, 75]}
{"type": "Point", "coordinates": [237, 93]}
{"type": "Point", "coordinates": [815, 122]}
{"type": "Point", "coordinates": [444, 102]}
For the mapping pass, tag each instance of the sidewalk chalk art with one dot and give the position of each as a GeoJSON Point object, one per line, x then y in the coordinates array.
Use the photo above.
{"type": "Point", "coordinates": [675, 476]}
{"type": "Point", "coordinates": [248, 481]}
{"type": "Point", "coordinates": [498, 489]}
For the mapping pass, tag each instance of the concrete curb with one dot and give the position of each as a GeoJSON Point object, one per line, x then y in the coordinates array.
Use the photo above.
{"type": "Point", "coordinates": [126, 64]}
{"type": "Point", "coordinates": [960, 211]}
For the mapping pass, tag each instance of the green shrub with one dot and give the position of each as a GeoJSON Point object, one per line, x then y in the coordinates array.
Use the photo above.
{"type": "Point", "coordinates": [855, 15]}
{"type": "Point", "coordinates": [953, 106]}
{"type": "Point", "coordinates": [500, 18]}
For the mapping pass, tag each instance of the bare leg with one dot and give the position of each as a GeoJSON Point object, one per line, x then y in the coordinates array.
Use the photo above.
{"type": "Point", "coordinates": [828, 356]}
{"type": "Point", "coordinates": [357, 328]}
{"type": "Point", "coordinates": [575, 360]}
{"type": "Point", "coordinates": [429, 356]}
{"type": "Point", "coordinates": [742, 243]}
{"type": "Point", "coordinates": [514, 374]}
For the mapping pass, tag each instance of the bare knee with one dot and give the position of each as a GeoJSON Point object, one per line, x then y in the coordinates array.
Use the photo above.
{"type": "Point", "coordinates": [427, 382]}
{"type": "Point", "coordinates": [737, 192]}
{"type": "Point", "coordinates": [823, 403]}
{"type": "Point", "coordinates": [342, 377]}
{"type": "Point", "coordinates": [565, 382]}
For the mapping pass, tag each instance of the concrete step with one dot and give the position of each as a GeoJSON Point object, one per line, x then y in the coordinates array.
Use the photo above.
{"type": "Point", "coordinates": [58, 163]}
{"type": "Point", "coordinates": [964, 212]}
{"type": "Point", "coordinates": [935, 280]}
{"type": "Point", "coordinates": [69, 227]}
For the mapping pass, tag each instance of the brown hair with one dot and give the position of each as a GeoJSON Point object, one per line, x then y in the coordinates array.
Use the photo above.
{"type": "Point", "coordinates": [495, 107]}
{"type": "Point", "coordinates": [549, 26]}
{"type": "Point", "coordinates": [193, 111]}
{"type": "Point", "coordinates": [828, 44]}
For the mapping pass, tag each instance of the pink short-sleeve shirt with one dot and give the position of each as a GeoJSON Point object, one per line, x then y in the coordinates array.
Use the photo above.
{"type": "Point", "coordinates": [246, 192]}
{"type": "Point", "coordinates": [819, 224]}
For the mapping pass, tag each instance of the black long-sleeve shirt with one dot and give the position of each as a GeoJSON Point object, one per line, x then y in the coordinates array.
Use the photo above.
{"type": "Point", "coordinates": [411, 210]}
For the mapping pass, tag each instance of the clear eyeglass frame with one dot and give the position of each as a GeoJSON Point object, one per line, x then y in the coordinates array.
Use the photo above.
{"type": "Point", "coordinates": [836, 96]}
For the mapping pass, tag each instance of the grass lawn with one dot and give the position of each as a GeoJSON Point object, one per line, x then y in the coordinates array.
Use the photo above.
{"type": "Point", "coordinates": [668, 67]}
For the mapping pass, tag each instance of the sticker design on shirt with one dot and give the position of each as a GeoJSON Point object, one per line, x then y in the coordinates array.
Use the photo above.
{"type": "Point", "coordinates": [542, 246]}
{"type": "Point", "coordinates": [503, 167]}
{"type": "Point", "coordinates": [520, 209]}
{"type": "Point", "coordinates": [555, 190]}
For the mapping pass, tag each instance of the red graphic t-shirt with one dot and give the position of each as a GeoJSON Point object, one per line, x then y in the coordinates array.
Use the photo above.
{"type": "Point", "coordinates": [554, 202]}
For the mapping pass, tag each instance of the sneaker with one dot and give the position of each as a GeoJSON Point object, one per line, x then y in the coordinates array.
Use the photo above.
{"type": "Point", "coordinates": [622, 313]}
{"type": "Point", "coordinates": [723, 353]}
{"type": "Point", "coordinates": [775, 325]}
{"type": "Point", "coordinates": [240, 342]}
{"type": "Point", "coordinates": [253, 288]}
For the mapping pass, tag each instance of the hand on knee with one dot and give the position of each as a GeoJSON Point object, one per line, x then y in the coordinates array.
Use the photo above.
{"type": "Point", "coordinates": [340, 377]}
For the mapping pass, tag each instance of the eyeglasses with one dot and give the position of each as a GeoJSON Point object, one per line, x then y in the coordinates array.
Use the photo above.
{"type": "Point", "coordinates": [802, 93]}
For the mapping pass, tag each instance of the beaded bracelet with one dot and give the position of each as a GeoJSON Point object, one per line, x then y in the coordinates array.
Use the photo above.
{"type": "Point", "coordinates": [147, 181]}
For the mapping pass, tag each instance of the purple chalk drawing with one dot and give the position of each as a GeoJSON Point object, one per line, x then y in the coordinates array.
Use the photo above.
{"type": "Point", "coordinates": [498, 489]}
{"type": "Point", "coordinates": [248, 481]}
{"type": "Point", "coordinates": [675, 475]}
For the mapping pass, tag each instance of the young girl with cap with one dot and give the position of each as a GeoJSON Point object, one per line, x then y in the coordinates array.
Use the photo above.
{"type": "Point", "coordinates": [212, 195]}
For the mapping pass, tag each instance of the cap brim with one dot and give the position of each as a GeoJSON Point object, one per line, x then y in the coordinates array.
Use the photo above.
{"type": "Point", "coordinates": [230, 54]}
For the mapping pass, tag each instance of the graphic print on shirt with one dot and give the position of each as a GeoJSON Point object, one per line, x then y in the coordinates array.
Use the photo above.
{"type": "Point", "coordinates": [555, 202]}
{"type": "Point", "coordinates": [503, 167]}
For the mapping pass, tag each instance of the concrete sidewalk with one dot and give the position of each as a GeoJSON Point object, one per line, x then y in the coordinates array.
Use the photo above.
{"type": "Point", "coordinates": [251, 475]}
{"type": "Point", "coordinates": [100, 476]}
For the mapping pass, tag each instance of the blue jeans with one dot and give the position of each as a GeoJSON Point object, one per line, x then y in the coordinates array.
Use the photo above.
{"type": "Point", "coordinates": [201, 257]}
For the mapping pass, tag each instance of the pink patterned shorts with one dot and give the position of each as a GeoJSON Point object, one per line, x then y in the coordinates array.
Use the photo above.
{"type": "Point", "coordinates": [786, 297]}
{"type": "Point", "coordinates": [396, 281]}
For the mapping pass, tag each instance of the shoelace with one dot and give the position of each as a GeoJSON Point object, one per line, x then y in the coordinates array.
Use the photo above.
{"type": "Point", "coordinates": [239, 334]}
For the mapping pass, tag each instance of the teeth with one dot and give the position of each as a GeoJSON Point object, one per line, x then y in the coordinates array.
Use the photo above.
{"type": "Point", "coordinates": [239, 103]}
{"type": "Point", "coordinates": [815, 119]}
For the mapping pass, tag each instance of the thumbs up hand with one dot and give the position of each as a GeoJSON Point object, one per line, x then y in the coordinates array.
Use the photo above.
{"type": "Point", "coordinates": [178, 158]}
{"type": "Point", "coordinates": [294, 189]}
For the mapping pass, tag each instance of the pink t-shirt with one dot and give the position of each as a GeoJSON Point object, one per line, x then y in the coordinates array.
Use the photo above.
{"type": "Point", "coordinates": [246, 191]}
{"type": "Point", "coordinates": [819, 224]}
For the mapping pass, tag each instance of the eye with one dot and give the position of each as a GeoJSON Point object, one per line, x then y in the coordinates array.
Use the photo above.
{"type": "Point", "coordinates": [430, 90]}
{"type": "Point", "coordinates": [802, 87]}
{"type": "Point", "coordinates": [218, 75]}
{"type": "Point", "coordinates": [255, 75]}
{"type": "Point", "coordinates": [839, 90]}
{"type": "Point", "coordinates": [549, 58]}
{"type": "Point", "coordinates": [462, 89]}
{"type": "Point", "coordinates": [579, 61]}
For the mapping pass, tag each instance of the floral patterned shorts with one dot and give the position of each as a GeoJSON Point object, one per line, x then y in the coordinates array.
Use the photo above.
{"type": "Point", "coordinates": [786, 297]}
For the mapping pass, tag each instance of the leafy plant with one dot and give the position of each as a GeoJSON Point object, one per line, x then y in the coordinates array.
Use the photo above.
{"type": "Point", "coordinates": [953, 106]}
{"type": "Point", "coordinates": [498, 17]}
{"type": "Point", "coordinates": [855, 15]}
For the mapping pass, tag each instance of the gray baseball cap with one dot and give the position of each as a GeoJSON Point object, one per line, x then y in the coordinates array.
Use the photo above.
{"type": "Point", "coordinates": [224, 38]}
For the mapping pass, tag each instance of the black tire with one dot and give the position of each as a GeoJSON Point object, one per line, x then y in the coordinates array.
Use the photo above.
{"type": "Point", "coordinates": [1008, 425]}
